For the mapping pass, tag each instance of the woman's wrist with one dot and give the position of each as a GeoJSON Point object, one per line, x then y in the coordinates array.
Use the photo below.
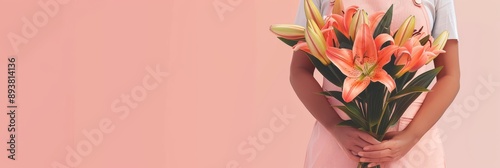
{"type": "Point", "coordinates": [413, 133]}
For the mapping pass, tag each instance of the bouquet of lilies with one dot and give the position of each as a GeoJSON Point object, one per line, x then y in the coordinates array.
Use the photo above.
{"type": "Point", "coordinates": [375, 67]}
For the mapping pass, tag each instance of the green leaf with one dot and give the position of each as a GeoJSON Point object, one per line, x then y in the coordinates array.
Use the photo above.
{"type": "Point", "coordinates": [355, 116]}
{"type": "Point", "coordinates": [351, 109]}
{"type": "Point", "coordinates": [349, 123]}
{"type": "Point", "coordinates": [402, 104]}
{"type": "Point", "coordinates": [407, 91]}
{"type": "Point", "coordinates": [330, 72]}
{"type": "Point", "coordinates": [290, 43]}
{"type": "Point", "coordinates": [375, 102]}
{"type": "Point", "coordinates": [344, 42]}
{"type": "Point", "coordinates": [392, 69]}
{"type": "Point", "coordinates": [385, 23]}
{"type": "Point", "coordinates": [384, 123]}
{"type": "Point", "coordinates": [403, 80]}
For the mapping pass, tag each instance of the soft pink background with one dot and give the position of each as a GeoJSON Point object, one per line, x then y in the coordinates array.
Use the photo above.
{"type": "Point", "coordinates": [227, 79]}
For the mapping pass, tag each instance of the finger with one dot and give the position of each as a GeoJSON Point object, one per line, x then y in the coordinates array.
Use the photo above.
{"type": "Point", "coordinates": [380, 146]}
{"type": "Point", "coordinates": [361, 143]}
{"type": "Point", "coordinates": [352, 157]}
{"type": "Point", "coordinates": [376, 154]}
{"type": "Point", "coordinates": [377, 160]}
{"type": "Point", "coordinates": [356, 149]}
{"type": "Point", "coordinates": [368, 138]}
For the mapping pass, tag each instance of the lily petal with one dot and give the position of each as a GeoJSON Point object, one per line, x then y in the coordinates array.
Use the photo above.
{"type": "Point", "coordinates": [288, 31]}
{"type": "Point", "coordinates": [385, 55]}
{"type": "Point", "coordinates": [364, 46]}
{"type": "Point", "coordinates": [382, 39]}
{"type": "Point", "coordinates": [302, 45]}
{"type": "Point", "coordinates": [349, 14]}
{"type": "Point", "coordinates": [375, 20]}
{"type": "Point", "coordinates": [418, 63]}
{"type": "Point", "coordinates": [405, 31]}
{"type": "Point", "coordinates": [416, 60]}
{"type": "Point", "coordinates": [338, 7]}
{"type": "Point", "coordinates": [342, 59]}
{"type": "Point", "coordinates": [403, 56]}
{"type": "Point", "coordinates": [316, 42]}
{"type": "Point", "coordinates": [441, 40]}
{"type": "Point", "coordinates": [383, 77]}
{"type": "Point", "coordinates": [312, 13]}
{"type": "Point", "coordinates": [358, 21]}
{"type": "Point", "coordinates": [340, 24]}
{"type": "Point", "coordinates": [353, 87]}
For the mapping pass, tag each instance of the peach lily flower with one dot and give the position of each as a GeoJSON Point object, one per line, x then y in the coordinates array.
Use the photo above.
{"type": "Point", "coordinates": [414, 55]}
{"type": "Point", "coordinates": [364, 62]}
{"type": "Point", "coordinates": [348, 23]}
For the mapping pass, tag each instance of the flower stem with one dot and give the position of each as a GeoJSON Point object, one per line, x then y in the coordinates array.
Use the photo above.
{"type": "Point", "coordinates": [383, 112]}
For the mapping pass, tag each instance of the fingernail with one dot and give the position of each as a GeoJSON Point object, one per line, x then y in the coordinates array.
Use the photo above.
{"type": "Point", "coordinates": [366, 148]}
{"type": "Point", "coordinates": [371, 165]}
{"type": "Point", "coordinates": [360, 153]}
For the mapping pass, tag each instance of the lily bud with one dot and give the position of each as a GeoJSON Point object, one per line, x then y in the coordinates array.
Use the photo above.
{"type": "Point", "coordinates": [288, 31]}
{"type": "Point", "coordinates": [312, 13]}
{"type": "Point", "coordinates": [360, 18]}
{"type": "Point", "coordinates": [438, 46]}
{"type": "Point", "coordinates": [440, 41]}
{"type": "Point", "coordinates": [405, 32]}
{"type": "Point", "coordinates": [316, 42]}
{"type": "Point", "coordinates": [338, 7]}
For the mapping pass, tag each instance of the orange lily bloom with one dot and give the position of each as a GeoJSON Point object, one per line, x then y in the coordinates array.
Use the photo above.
{"type": "Point", "coordinates": [343, 23]}
{"type": "Point", "coordinates": [413, 55]}
{"type": "Point", "coordinates": [364, 62]}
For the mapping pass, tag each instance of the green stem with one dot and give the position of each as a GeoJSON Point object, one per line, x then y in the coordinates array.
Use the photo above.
{"type": "Point", "coordinates": [382, 114]}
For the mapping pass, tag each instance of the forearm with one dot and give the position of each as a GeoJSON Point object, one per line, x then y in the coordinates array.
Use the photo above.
{"type": "Point", "coordinates": [307, 89]}
{"type": "Point", "coordinates": [435, 104]}
{"type": "Point", "coordinates": [442, 94]}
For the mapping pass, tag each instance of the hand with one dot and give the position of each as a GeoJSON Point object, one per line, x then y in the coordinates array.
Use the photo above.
{"type": "Point", "coordinates": [395, 147]}
{"type": "Point", "coordinates": [352, 140]}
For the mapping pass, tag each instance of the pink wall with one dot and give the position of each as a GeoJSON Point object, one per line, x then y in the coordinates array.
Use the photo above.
{"type": "Point", "coordinates": [176, 84]}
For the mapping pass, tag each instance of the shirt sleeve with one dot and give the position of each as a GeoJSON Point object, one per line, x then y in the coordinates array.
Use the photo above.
{"type": "Point", "coordinates": [445, 19]}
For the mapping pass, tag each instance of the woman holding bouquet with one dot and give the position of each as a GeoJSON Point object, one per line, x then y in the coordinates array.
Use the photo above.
{"type": "Point", "coordinates": [414, 141]}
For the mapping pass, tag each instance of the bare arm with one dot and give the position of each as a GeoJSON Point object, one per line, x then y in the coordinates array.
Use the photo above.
{"type": "Point", "coordinates": [442, 94]}
{"type": "Point", "coordinates": [307, 88]}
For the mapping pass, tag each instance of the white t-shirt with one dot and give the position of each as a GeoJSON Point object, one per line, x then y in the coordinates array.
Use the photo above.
{"type": "Point", "coordinates": [441, 14]}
